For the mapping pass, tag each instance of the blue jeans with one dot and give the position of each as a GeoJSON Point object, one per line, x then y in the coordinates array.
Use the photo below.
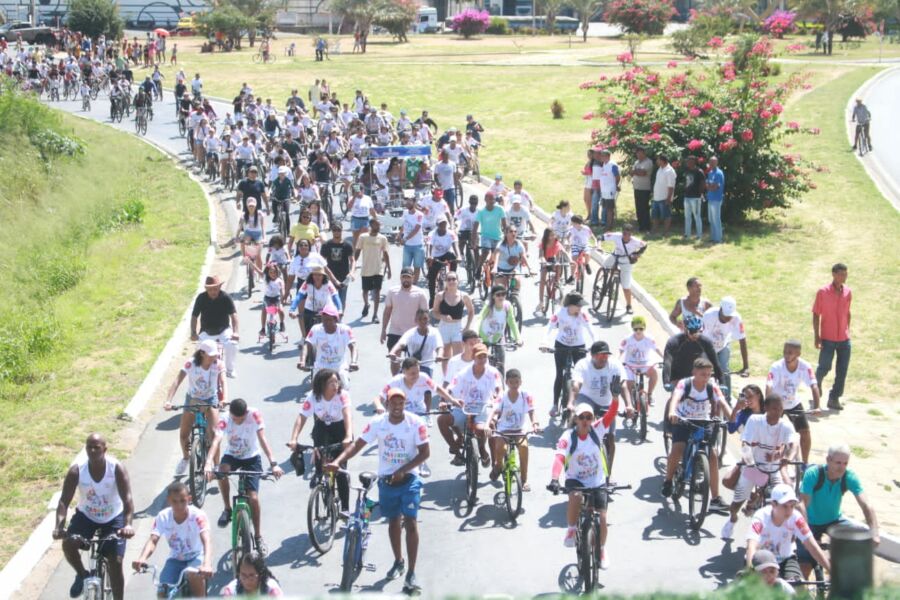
{"type": "Point", "coordinates": [714, 212]}
{"type": "Point", "coordinates": [413, 256]}
{"type": "Point", "coordinates": [450, 199]}
{"type": "Point", "coordinates": [597, 207]}
{"type": "Point", "coordinates": [724, 357]}
{"type": "Point", "coordinates": [692, 213]}
{"type": "Point", "coordinates": [826, 356]}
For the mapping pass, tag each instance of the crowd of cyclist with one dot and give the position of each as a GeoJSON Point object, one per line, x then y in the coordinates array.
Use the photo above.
{"type": "Point", "coordinates": [321, 152]}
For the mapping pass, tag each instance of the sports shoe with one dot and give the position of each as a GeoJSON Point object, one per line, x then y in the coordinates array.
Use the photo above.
{"type": "Point", "coordinates": [77, 586]}
{"type": "Point", "coordinates": [232, 374]}
{"type": "Point", "coordinates": [458, 460]}
{"type": "Point", "coordinates": [569, 541]}
{"type": "Point", "coordinates": [281, 327]}
{"type": "Point", "coordinates": [424, 470]}
{"type": "Point", "coordinates": [554, 412]}
{"type": "Point", "coordinates": [225, 517]}
{"type": "Point", "coordinates": [604, 560]}
{"type": "Point", "coordinates": [727, 530]}
{"type": "Point", "coordinates": [262, 331]}
{"type": "Point", "coordinates": [397, 569]}
{"type": "Point", "coordinates": [181, 467]}
{"type": "Point", "coordinates": [261, 546]}
{"type": "Point", "coordinates": [666, 489]}
{"type": "Point", "coordinates": [411, 585]}
{"type": "Point", "coordinates": [365, 311]}
{"type": "Point", "coordinates": [835, 405]}
{"type": "Point", "coordinates": [717, 504]}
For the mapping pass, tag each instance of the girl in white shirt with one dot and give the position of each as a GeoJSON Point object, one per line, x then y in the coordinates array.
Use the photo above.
{"type": "Point", "coordinates": [570, 331]}
{"type": "Point", "coordinates": [272, 294]}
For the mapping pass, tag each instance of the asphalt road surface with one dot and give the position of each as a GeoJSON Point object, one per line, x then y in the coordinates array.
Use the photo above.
{"type": "Point", "coordinates": [881, 99]}
{"type": "Point", "coordinates": [476, 552]}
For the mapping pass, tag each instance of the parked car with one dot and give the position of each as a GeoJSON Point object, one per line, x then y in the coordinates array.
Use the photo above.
{"type": "Point", "coordinates": [30, 34]}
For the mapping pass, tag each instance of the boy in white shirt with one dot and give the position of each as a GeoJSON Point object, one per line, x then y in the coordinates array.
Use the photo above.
{"type": "Point", "coordinates": [635, 352]}
{"type": "Point", "coordinates": [509, 417]}
{"type": "Point", "coordinates": [784, 379]}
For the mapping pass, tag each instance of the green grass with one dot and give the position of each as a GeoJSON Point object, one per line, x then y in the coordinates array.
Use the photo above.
{"type": "Point", "coordinates": [122, 290]}
{"type": "Point", "coordinates": [860, 452]}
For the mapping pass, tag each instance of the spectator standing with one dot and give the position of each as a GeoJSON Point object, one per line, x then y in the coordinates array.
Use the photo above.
{"type": "Point", "coordinates": [831, 330]}
{"type": "Point", "coordinates": [641, 173]}
{"type": "Point", "coordinates": [694, 185]}
{"type": "Point", "coordinates": [610, 184]}
{"type": "Point", "coordinates": [663, 194]}
{"type": "Point", "coordinates": [715, 195]}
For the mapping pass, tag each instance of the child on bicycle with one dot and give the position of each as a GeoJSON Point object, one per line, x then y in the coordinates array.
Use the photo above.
{"type": "Point", "coordinates": [509, 417]}
{"type": "Point", "coordinates": [186, 530]}
{"type": "Point", "coordinates": [252, 230]}
{"type": "Point", "coordinates": [496, 319]}
{"type": "Point", "coordinates": [581, 238]}
{"type": "Point", "coordinates": [272, 295]}
{"type": "Point", "coordinates": [634, 352]}
{"type": "Point", "coordinates": [278, 254]}
{"type": "Point", "coordinates": [552, 255]}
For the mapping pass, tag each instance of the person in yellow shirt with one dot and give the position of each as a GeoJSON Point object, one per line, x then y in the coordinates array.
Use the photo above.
{"type": "Point", "coordinates": [305, 229]}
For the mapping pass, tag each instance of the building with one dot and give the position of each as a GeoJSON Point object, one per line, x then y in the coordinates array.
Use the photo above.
{"type": "Point", "coordinates": [138, 14]}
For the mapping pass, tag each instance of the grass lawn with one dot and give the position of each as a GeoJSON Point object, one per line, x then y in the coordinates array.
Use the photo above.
{"type": "Point", "coordinates": [135, 283]}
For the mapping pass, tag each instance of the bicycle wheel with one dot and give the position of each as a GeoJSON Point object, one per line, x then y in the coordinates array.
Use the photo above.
{"type": "Point", "coordinates": [470, 267]}
{"type": "Point", "coordinates": [342, 202]}
{"type": "Point", "coordinates": [579, 279]}
{"type": "Point", "coordinates": [588, 566]}
{"type": "Point", "coordinates": [242, 542]}
{"type": "Point", "coordinates": [643, 407]}
{"type": "Point", "coordinates": [104, 592]}
{"type": "Point", "coordinates": [517, 310]}
{"type": "Point", "coordinates": [471, 474]}
{"type": "Point", "coordinates": [599, 290]}
{"type": "Point", "coordinates": [256, 59]}
{"type": "Point", "coordinates": [352, 558]}
{"type": "Point", "coordinates": [321, 519]}
{"type": "Point", "coordinates": [271, 333]}
{"type": "Point", "coordinates": [182, 128]}
{"type": "Point", "coordinates": [721, 443]}
{"type": "Point", "coordinates": [698, 491]}
{"type": "Point", "coordinates": [249, 278]}
{"type": "Point", "coordinates": [513, 492]}
{"type": "Point", "coordinates": [612, 297]}
{"type": "Point", "coordinates": [196, 476]}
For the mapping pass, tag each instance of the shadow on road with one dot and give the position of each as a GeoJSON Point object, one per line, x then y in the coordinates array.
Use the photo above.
{"type": "Point", "coordinates": [648, 490]}
{"type": "Point", "coordinates": [555, 516]}
{"type": "Point", "coordinates": [295, 552]}
{"type": "Point", "coordinates": [170, 424]}
{"type": "Point", "coordinates": [289, 393]}
{"type": "Point", "coordinates": [723, 565]}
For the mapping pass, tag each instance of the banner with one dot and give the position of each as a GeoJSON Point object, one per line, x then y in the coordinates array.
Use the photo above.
{"type": "Point", "coordinates": [377, 152]}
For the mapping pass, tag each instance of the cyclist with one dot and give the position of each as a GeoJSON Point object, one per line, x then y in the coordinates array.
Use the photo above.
{"type": "Point", "coordinates": [571, 332]}
{"type": "Point", "coordinates": [254, 579]}
{"type": "Point", "coordinates": [433, 205]}
{"type": "Point", "coordinates": [329, 342]}
{"type": "Point", "coordinates": [422, 342]}
{"type": "Point", "coordinates": [723, 325]}
{"type": "Point", "coordinates": [509, 417]}
{"type": "Point", "coordinates": [578, 453]}
{"type": "Point", "coordinates": [251, 227]}
{"type": "Point", "coordinates": [314, 294]}
{"type": "Point", "coordinates": [695, 397]}
{"type": "Point", "coordinates": [551, 255]}
{"type": "Point", "coordinates": [520, 218]}
{"type": "Point", "coordinates": [509, 257]}
{"type": "Point", "coordinates": [774, 528]}
{"type": "Point", "coordinates": [597, 380]}
{"type": "Point", "coordinates": [304, 229]}
{"type": "Point", "coordinates": [822, 492]}
{"type": "Point", "coordinates": [283, 193]}
{"type": "Point", "coordinates": [218, 320]}
{"type": "Point", "coordinates": [402, 439]}
{"type": "Point", "coordinates": [301, 264]}
{"type": "Point", "coordinates": [863, 118]}
{"type": "Point", "coordinates": [627, 249]}
{"type": "Point", "coordinates": [142, 101]}
{"type": "Point", "coordinates": [491, 222]}
{"type": "Point", "coordinates": [766, 441]}
{"type": "Point", "coordinates": [148, 88]}
{"type": "Point", "coordinates": [683, 349]}
{"type": "Point", "coordinates": [441, 251]}
{"type": "Point", "coordinates": [580, 239]}
{"type": "Point", "coordinates": [274, 292]}
{"type": "Point", "coordinates": [498, 319]}
{"type": "Point", "coordinates": [329, 406]}
{"type": "Point", "coordinates": [635, 352]}
{"type": "Point", "coordinates": [186, 530]}
{"type": "Point", "coordinates": [206, 387]}
{"type": "Point", "coordinates": [462, 361]}
{"type": "Point", "coordinates": [244, 433]}
{"type": "Point", "coordinates": [245, 155]}
{"type": "Point", "coordinates": [785, 377]}
{"type": "Point", "coordinates": [692, 304]}
{"type": "Point", "coordinates": [465, 220]}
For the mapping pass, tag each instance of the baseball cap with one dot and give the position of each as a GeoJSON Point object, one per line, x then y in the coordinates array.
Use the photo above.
{"type": "Point", "coordinates": [395, 391]}
{"type": "Point", "coordinates": [330, 310]}
{"type": "Point", "coordinates": [583, 407]}
{"type": "Point", "coordinates": [479, 349]}
{"type": "Point", "coordinates": [783, 493]}
{"type": "Point", "coordinates": [209, 348]}
{"type": "Point", "coordinates": [728, 306]}
{"type": "Point", "coordinates": [600, 347]}
{"type": "Point", "coordinates": [407, 271]}
{"type": "Point", "coordinates": [763, 559]}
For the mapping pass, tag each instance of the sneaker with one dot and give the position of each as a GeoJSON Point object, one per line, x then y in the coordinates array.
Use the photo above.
{"type": "Point", "coordinates": [261, 546]}
{"type": "Point", "coordinates": [410, 585]}
{"type": "Point", "coordinates": [458, 460]}
{"type": "Point", "coordinates": [424, 470]}
{"type": "Point", "coordinates": [262, 331]}
{"type": "Point", "coordinates": [281, 327]}
{"type": "Point", "coordinates": [727, 530]}
{"type": "Point", "coordinates": [429, 421]}
{"type": "Point", "coordinates": [232, 374]}
{"type": "Point", "coordinates": [77, 586]}
{"type": "Point", "coordinates": [835, 405]}
{"type": "Point", "coordinates": [485, 461]}
{"type": "Point", "coordinates": [718, 504]}
{"type": "Point", "coordinates": [569, 541]}
{"type": "Point", "coordinates": [495, 474]}
{"type": "Point", "coordinates": [397, 570]}
{"type": "Point", "coordinates": [570, 280]}
{"type": "Point", "coordinates": [587, 267]}
{"type": "Point", "coordinates": [225, 517]}
{"type": "Point", "coordinates": [181, 467]}
{"type": "Point", "coordinates": [375, 319]}
{"type": "Point", "coordinates": [628, 310]}
{"type": "Point", "coordinates": [604, 560]}
{"type": "Point", "coordinates": [365, 311]}
{"type": "Point", "coordinates": [554, 412]}
{"type": "Point", "coordinates": [666, 489]}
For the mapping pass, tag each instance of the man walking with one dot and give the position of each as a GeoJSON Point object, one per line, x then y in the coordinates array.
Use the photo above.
{"type": "Point", "coordinates": [694, 182]}
{"type": "Point", "coordinates": [663, 194]}
{"type": "Point", "coordinates": [831, 330]}
{"type": "Point", "coordinates": [218, 320]}
{"type": "Point", "coordinates": [640, 181]}
{"type": "Point", "coordinates": [715, 195]}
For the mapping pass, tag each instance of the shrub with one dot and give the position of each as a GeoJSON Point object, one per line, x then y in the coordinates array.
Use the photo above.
{"type": "Point", "coordinates": [648, 17]}
{"type": "Point", "coordinates": [688, 42]}
{"type": "Point", "coordinates": [779, 23]}
{"type": "Point", "coordinates": [557, 109]}
{"type": "Point", "coordinates": [470, 22]}
{"type": "Point", "coordinates": [498, 26]}
{"type": "Point", "coordinates": [95, 18]}
{"type": "Point", "coordinates": [707, 111]}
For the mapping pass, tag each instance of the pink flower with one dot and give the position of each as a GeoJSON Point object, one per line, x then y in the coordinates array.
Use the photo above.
{"type": "Point", "coordinates": [625, 57]}
{"type": "Point", "coordinates": [654, 137]}
{"type": "Point", "coordinates": [765, 114]}
{"type": "Point", "coordinates": [793, 125]}
{"type": "Point", "coordinates": [611, 122]}
{"type": "Point", "coordinates": [747, 135]}
{"type": "Point", "coordinates": [730, 48]}
{"type": "Point", "coordinates": [694, 145]}
{"type": "Point", "coordinates": [777, 108]}
{"type": "Point", "coordinates": [672, 64]}
{"type": "Point", "coordinates": [613, 142]}
{"type": "Point", "coordinates": [653, 91]}
{"type": "Point", "coordinates": [763, 185]}
{"type": "Point", "coordinates": [796, 48]}
{"type": "Point", "coordinates": [814, 131]}
{"type": "Point", "coordinates": [715, 42]}
{"type": "Point", "coordinates": [727, 145]}
{"type": "Point", "coordinates": [694, 112]}
{"type": "Point", "coordinates": [728, 127]}
{"type": "Point", "coordinates": [588, 116]}
{"type": "Point", "coordinates": [641, 111]}
{"type": "Point", "coordinates": [707, 105]}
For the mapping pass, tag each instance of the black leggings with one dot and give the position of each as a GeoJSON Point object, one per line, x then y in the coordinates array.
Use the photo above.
{"type": "Point", "coordinates": [324, 435]}
{"type": "Point", "coordinates": [435, 268]}
{"type": "Point", "coordinates": [561, 353]}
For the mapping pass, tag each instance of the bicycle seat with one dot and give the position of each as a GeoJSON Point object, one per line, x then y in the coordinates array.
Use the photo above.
{"type": "Point", "coordinates": [366, 478]}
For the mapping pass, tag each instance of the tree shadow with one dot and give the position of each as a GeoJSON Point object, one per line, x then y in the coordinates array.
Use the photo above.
{"type": "Point", "coordinates": [295, 552]}
{"type": "Point", "coordinates": [673, 525]}
{"type": "Point", "coordinates": [722, 566]}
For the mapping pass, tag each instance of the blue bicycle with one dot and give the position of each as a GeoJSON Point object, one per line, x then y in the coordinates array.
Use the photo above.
{"type": "Point", "coordinates": [693, 471]}
{"type": "Point", "coordinates": [357, 531]}
{"type": "Point", "coordinates": [181, 589]}
{"type": "Point", "coordinates": [199, 447]}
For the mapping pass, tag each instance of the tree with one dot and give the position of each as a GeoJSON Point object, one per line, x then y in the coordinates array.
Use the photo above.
{"type": "Point", "coordinates": [227, 19]}
{"type": "Point", "coordinates": [94, 18]}
{"type": "Point", "coordinates": [397, 16]}
{"type": "Point", "coordinates": [550, 9]}
{"type": "Point", "coordinates": [831, 12]}
{"type": "Point", "coordinates": [361, 12]}
{"type": "Point", "coordinates": [260, 12]}
{"type": "Point", "coordinates": [585, 10]}
{"type": "Point", "coordinates": [648, 17]}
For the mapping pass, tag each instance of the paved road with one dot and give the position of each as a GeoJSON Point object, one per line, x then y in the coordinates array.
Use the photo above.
{"type": "Point", "coordinates": [881, 98]}
{"type": "Point", "coordinates": [650, 546]}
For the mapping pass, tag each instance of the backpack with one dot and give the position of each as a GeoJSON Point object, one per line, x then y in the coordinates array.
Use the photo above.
{"type": "Point", "coordinates": [820, 480]}
{"type": "Point", "coordinates": [573, 442]}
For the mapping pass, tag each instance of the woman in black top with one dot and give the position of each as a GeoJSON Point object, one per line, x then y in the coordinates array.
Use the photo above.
{"type": "Point", "coordinates": [449, 307]}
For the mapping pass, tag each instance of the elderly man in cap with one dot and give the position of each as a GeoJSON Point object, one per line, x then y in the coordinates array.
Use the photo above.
{"type": "Point", "coordinates": [722, 325]}
{"type": "Point", "coordinates": [218, 321]}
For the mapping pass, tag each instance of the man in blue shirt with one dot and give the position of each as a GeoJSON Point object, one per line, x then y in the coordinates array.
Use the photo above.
{"type": "Point", "coordinates": [715, 194]}
{"type": "Point", "coordinates": [490, 221]}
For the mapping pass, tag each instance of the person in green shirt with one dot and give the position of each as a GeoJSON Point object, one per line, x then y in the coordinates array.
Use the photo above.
{"type": "Point", "coordinates": [490, 223]}
{"type": "Point", "coordinates": [496, 318]}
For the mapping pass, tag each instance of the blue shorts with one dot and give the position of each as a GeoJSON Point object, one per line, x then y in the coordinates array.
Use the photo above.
{"type": "Point", "coordinates": [247, 464]}
{"type": "Point", "coordinates": [191, 401]}
{"type": "Point", "coordinates": [86, 528]}
{"type": "Point", "coordinates": [488, 244]}
{"type": "Point", "coordinates": [254, 235]}
{"type": "Point", "coordinates": [403, 499]}
{"type": "Point", "coordinates": [660, 209]}
{"type": "Point", "coordinates": [357, 223]}
{"type": "Point", "coordinates": [414, 256]}
{"type": "Point", "coordinates": [459, 417]}
{"type": "Point", "coordinates": [173, 568]}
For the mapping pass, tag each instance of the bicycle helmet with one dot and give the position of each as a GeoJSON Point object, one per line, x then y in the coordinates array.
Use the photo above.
{"type": "Point", "coordinates": [638, 322]}
{"type": "Point", "coordinates": [693, 323]}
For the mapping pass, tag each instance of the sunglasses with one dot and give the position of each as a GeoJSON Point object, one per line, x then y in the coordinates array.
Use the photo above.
{"type": "Point", "coordinates": [585, 417]}
{"type": "Point", "coordinates": [637, 328]}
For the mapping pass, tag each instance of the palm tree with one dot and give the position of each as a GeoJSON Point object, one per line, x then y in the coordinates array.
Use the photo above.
{"type": "Point", "coordinates": [551, 10]}
{"type": "Point", "coordinates": [585, 10]}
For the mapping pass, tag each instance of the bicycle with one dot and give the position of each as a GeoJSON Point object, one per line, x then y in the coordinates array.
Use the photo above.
{"type": "Point", "coordinates": [85, 103]}
{"type": "Point", "coordinates": [486, 276]}
{"type": "Point", "coordinates": [763, 484]}
{"type": "Point", "coordinates": [513, 289]}
{"type": "Point", "coordinates": [267, 58]}
{"type": "Point", "coordinates": [563, 401]}
{"type": "Point", "coordinates": [356, 540]}
{"type": "Point", "coordinates": [179, 589]}
{"type": "Point", "coordinates": [470, 457]}
{"type": "Point", "coordinates": [553, 293]}
{"type": "Point", "coordinates": [242, 540]}
{"type": "Point", "coordinates": [54, 94]}
{"type": "Point", "coordinates": [182, 123]}
{"type": "Point", "coordinates": [863, 146]}
{"type": "Point", "coordinates": [587, 533]}
{"type": "Point", "coordinates": [140, 121]}
{"type": "Point", "coordinates": [510, 474]}
{"type": "Point", "coordinates": [641, 404]}
{"type": "Point", "coordinates": [606, 287]}
{"type": "Point", "coordinates": [693, 470]}
{"type": "Point", "coordinates": [97, 585]}
{"type": "Point", "coordinates": [251, 251]}
{"type": "Point", "coordinates": [197, 453]}
{"type": "Point", "coordinates": [581, 266]}
{"type": "Point", "coordinates": [271, 333]}
{"type": "Point", "coordinates": [324, 503]}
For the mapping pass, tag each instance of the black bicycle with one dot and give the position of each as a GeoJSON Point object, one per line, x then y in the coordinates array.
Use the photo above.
{"type": "Point", "coordinates": [692, 475]}
{"type": "Point", "coordinates": [863, 145]}
{"type": "Point", "coordinates": [324, 504]}
{"type": "Point", "coordinates": [97, 585]}
{"type": "Point", "coordinates": [199, 449]}
{"type": "Point", "coordinates": [562, 403]}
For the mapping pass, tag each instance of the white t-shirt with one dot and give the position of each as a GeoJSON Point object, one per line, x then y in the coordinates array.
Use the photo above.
{"type": "Point", "coordinates": [455, 366]}
{"type": "Point", "coordinates": [573, 331]}
{"type": "Point", "coordinates": [203, 384]}
{"type": "Point", "coordinates": [274, 590]}
{"type": "Point", "coordinates": [513, 415]}
{"type": "Point", "coordinates": [665, 179]}
{"type": "Point", "coordinates": [327, 411]}
{"type": "Point", "coordinates": [397, 443]}
{"type": "Point", "coordinates": [444, 174]}
{"type": "Point", "coordinates": [519, 219]}
{"type": "Point", "coordinates": [301, 265]}
{"type": "Point", "coordinates": [585, 464]}
{"type": "Point", "coordinates": [764, 439]}
{"type": "Point", "coordinates": [561, 224]}
{"type": "Point", "coordinates": [476, 392]}
{"type": "Point", "coordinates": [410, 220]}
{"type": "Point", "coordinates": [580, 237]}
{"type": "Point", "coordinates": [183, 538]}
{"type": "Point", "coordinates": [785, 384]}
{"type": "Point", "coordinates": [696, 404]}
{"type": "Point", "coordinates": [430, 344]}
{"type": "Point", "coordinates": [596, 383]}
{"type": "Point", "coordinates": [317, 298]}
{"type": "Point", "coordinates": [361, 207]}
{"type": "Point", "coordinates": [524, 197]}
{"type": "Point", "coordinates": [441, 244]}
{"type": "Point", "coordinates": [433, 209]}
{"type": "Point", "coordinates": [465, 218]}
{"type": "Point", "coordinates": [331, 348]}
{"type": "Point", "coordinates": [721, 333]}
{"type": "Point", "coordinates": [241, 440]}
{"type": "Point", "coordinates": [779, 540]}
{"type": "Point", "coordinates": [415, 395]}
{"type": "Point", "coordinates": [637, 353]}
{"type": "Point", "coordinates": [623, 248]}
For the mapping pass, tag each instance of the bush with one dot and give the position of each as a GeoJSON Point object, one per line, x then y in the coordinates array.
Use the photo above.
{"type": "Point", "coordinates": [648, 17]}
{"type": "Point", "coordinates": [779, 23]}
{"type": "Point", "coordinates": [688, 42]}
{"type": "Point", "coordinates": [557, 109]}
{"type": "Point", "coordinates": [498, 26]}
{"type": "Point", "coordinates": [470, 22]}
{"type": "Point", "coordinates": [718, 110]}
{"type": "Point", "coordinates": [95, 18]}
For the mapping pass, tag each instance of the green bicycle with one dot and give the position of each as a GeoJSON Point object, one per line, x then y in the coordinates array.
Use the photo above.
{"type": "Point", "coordinates": [510, 473]}
{"type": "Point", "coordinates": [242, 540]}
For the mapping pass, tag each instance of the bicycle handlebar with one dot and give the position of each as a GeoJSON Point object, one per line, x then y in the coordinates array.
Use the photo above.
{"type": "Point", "coordinates": [570, 489]}
{"type": "Point", "coordinates": [244, 473]}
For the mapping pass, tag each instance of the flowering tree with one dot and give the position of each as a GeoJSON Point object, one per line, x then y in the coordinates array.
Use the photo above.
{"type": "Point", "coordinates": [647, 17]}
{"type": "Point", "coordinates": [470, 22]}
{"type": "Point", "coordinates": [779, 23]}
{"type": "Point", "coordinates": [706, 111]}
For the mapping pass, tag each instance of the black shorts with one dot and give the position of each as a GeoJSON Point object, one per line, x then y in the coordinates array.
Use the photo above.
{"type": "Point", "coordinates": [789, 569]}
{"type": "Point", "coordinates": [797, 417]}
{"type": "Point", "coordinates": [681, 432]}
{"type": "Point", "coordinates": [86, 528]}
{"type": "Point", "coordinates": [372, 283]}
{"type": "Point", "coordinates": [247, 464]}
{"type": "Point", "coordinates": [600, 495]}
{"type": "Point", "coordinates": [392, 340]}
{"type": "Point", "coordinates": [271, 300]}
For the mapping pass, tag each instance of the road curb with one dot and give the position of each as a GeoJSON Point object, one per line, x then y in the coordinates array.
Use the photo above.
{"type": "Point", "coordinates": [30, 554]}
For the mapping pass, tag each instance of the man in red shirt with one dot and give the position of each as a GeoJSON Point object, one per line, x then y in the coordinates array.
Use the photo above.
{"type": "Point", "coordinates": [831, 328]}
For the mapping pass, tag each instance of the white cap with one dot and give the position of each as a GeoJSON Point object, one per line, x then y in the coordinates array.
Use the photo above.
{"type": "Point", "coordinates": [783, 493]}
{"type": "Point", "coordinates": [583, 407]}
{"type": "Point", "coordinates": [728, 306]}
{"type": "Point", "coordinates": [209, 348]}
{"type": "Point", "coordinates": [283, 170]}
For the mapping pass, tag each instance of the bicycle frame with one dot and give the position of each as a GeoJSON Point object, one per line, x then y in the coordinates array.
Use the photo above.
{"type": "Point", "coordinates": [98, 566]}
{"type": "Point", "coordinates": [172, 590]}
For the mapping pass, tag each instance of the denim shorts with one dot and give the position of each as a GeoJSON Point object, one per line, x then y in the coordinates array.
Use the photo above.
{"type": "Point", "coordinates": [357, 223]}
{"type": "Point", "coordinates": [459, 417]}
{"type": "Point", "coordinates": [414, 256]}
{"type": "Point", "coordinates": [173, 568]}
{"type": "Point", "coordinates": [86, 528]}
{"type": "Point", "coordinates": [254, 235]}
{"type": "Point", "coordinates": [660, 209]}
{"type": "Point", "coordinates": [245, 464]}
{"type": "Point", "coordinates": [488, 244]}
{"type": "Point", "coordinates": [403, 499]}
